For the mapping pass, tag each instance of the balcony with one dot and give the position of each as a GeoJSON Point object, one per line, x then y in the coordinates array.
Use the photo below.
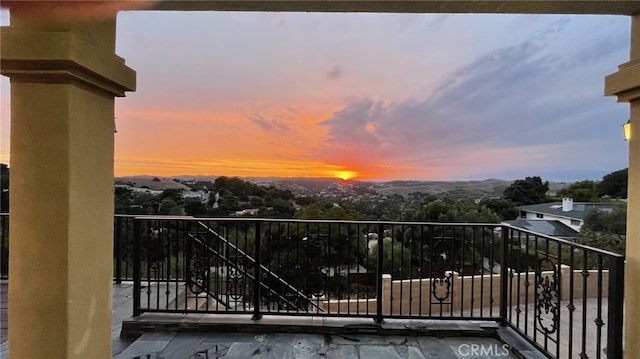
{"type": "Point", "coordinates": [535, 293]}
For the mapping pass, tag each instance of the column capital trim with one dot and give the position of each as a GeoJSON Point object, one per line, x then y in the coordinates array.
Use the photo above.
{"type": "Point", "coordinates": [625, 84]}
{"type": "Point", "coordinates": [61, 57]}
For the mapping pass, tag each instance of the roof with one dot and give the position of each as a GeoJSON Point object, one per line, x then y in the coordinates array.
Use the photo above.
{"type": "Point", "coordinates": [546, 227]}
{"type": "Point", "coordinates": [344, 269]}
{"type": "Point", "coordinates": [580, 209]}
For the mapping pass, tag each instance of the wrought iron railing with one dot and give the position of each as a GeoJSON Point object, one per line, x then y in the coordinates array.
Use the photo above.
{"type": "Point", "coordinates": [555, 293]}
{"type": "Point", "coordinates": [4, 245]}
{"type": "Point", "coordinates": [564, 298]}
{"type": "Point", "coordinates": [122, 247]}
{"type": "Point", "coordinates": [123, 238]}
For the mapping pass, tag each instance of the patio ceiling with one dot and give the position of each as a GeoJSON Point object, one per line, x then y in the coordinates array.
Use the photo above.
{"type": "Point", "coordinates": [596, 7]}
{"type": "Point", "coordinates": [624, 7]}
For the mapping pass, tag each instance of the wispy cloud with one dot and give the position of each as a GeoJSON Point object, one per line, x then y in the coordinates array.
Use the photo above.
{"type": "Point", "coordinates": [388, 95]}
{"type": "Point", "coordinates": [269, 124]}
{"type": "Point", "coordinates": [497, 108]}
{"type": "Point", "coordinates": [335, 73]}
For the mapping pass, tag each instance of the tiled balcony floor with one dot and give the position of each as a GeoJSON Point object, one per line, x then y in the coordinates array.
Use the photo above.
{"type": "Point", "coordinates": [446, 339]}
{"type": "Point", "coordinates": [289, 345]}
{"type": "Point", "coordinates": [3, 310]}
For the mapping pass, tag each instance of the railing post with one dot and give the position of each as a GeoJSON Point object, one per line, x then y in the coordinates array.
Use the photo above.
{"type": "Point", "coordinates": [616, 303]}
{"type": "Point", "coordinates": [379, 317]}
{"type": "Point", "coordinates": [117, 252]}
{"type": "Point", "coordinates": [504, 274]}
{"type": "Point", "coordinates": [137, 240]}
{"type": "Point", "coordinates": [257, 275]}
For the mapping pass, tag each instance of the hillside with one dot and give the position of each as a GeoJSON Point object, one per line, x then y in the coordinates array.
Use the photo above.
{"type": "Point", "coordinates": [148, 182]}
{"type": "Point", "coordinates": [474, 189]}
{"type": "Point", "coordinates": [313, 186]}
{"type": "Point", "coordinates": [484, 188]}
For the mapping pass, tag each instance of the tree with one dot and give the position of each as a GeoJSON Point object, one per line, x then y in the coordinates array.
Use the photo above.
{"type": "Point", "coordinates": [451, 210]}
{"type": "Point", "coordinates": [502, 207]}
{"type": "Point", "coordinates": [172, 193]}
{"type": "Point", "coordinates": [609, 222]}
{"type": "Point", "coordinates": [169, 207]}
{"type": "Point", "coordinates": [130, 202]}
{"type": "Point", "coordinates": [438, 248]}
{"type": "Point", "coordinates": [530, 190]}
{"type": "Point", "coordinates": [194, 207]}
{"type": "Point", "coordinates": [607, 241]}
{"type": "Point", "coordinates": [605, 230]}
{"type": "Point", "coordinates": [282, 208]}
{"type": "Point", "coordinates": [396, 259]}
{"type": "Point", "coordinates": [614, 184]}
{"type": "Point", "coordinates": [581, 191]}
{"type": "Point", "coordinates": [326, 210]}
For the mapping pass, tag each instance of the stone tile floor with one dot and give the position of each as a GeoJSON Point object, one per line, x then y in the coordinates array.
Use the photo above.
{"type": "Point", "coordinates": [3, 310]}
{"type": "Point", "coordinates": [157, 345]}
{"type": "Point", "coordinates": [446, 339]}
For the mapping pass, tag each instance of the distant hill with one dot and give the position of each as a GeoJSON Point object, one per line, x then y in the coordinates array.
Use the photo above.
{"type": "Point", "coordinates": [490, 187]}
{"type": "Point", "coordinates": [312, 186]}
{"type": "Point", "coordinates": [474, 189]}
{"type": "Point", "coordinates": [147, 181]}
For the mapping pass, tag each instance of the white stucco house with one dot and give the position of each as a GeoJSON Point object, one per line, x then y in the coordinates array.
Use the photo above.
{"type": "Point", "coordinates": [568, 213]}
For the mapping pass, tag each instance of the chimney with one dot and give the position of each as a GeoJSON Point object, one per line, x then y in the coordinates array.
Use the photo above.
{"type": "Point", "coordinates": [567, 204]}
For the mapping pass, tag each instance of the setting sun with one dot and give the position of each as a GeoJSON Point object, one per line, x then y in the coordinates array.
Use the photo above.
{"type": "Point", "coordinates": [345, 175]}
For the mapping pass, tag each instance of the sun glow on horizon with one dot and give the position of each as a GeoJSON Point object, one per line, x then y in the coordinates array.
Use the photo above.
{"type": "Point", "coordinates": [263, 167]}
{"type": "Point", "coordinates": [345, 175]}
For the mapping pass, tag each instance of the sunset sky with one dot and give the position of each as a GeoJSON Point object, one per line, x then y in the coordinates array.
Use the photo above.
{"type": "Point", "coordinates": [375, 96]}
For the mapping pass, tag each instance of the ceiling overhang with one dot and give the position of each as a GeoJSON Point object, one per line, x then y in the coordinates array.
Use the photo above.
{"type": "Point", "coordinates": [596, 7]}
{"type": "Point", "coordinates": [624, 7]}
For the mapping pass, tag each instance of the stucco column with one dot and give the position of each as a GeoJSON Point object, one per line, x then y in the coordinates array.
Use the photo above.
{"type": "Point", "coordinates": [626, 85]}
{"type": "Point", "coordinates": [64, 76]}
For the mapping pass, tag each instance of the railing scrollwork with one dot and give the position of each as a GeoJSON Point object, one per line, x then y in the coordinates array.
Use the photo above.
{"type": "Point", "coordinates": [547, 297]}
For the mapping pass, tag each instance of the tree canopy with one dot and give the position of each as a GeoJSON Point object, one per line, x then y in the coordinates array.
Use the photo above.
{"type": "Point", "coordinates": [326, 210]}
{"type": "Point", "coordinates": [614, 184]}
{"type": "Point", "coordinates": [446, 209]}
{"type": "Point", "coordinates": [502, 207]}
{"type": "Point", "coordinates": [605, 230]}
{"type": "Point", "coordinates": [581, 191]}
{"type": "Point", "coordinates": [130, 202]}
{"type": "Point", "coordinates": [612, 222]}
{"type": "Point", "coordinates": [530, 190]}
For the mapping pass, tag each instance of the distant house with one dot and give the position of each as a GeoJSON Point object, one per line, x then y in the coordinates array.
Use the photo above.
{"type": "Point", "coordinates": [201, 195]}
{"type": "Point", "coordinates": [137, 189]}
{"type": "Point", "coordinates": [569, 213]}
{"type": "Point", "coordinates": [354, 273]}
{"type": "Point", "coordinates": [246, 212]}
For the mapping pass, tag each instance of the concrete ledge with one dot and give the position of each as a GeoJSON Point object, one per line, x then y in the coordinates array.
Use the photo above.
{"type": "Point", "coordinates": [152, 322]}
{"type": "Point", "coordinates": [517, 344]}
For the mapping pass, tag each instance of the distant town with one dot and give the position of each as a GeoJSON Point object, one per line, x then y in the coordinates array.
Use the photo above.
{"type": "Point", "coordinates": [591, 212]}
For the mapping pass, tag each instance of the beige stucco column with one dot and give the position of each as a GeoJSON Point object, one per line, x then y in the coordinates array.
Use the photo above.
{"type": "Point", "coordinates": [626, 85]}
{"type": "Point", "coordinates": [64, 76]}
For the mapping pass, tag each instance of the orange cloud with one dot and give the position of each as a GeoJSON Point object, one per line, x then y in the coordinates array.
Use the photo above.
{"type": "Point", "coordinates": [287, 143]}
